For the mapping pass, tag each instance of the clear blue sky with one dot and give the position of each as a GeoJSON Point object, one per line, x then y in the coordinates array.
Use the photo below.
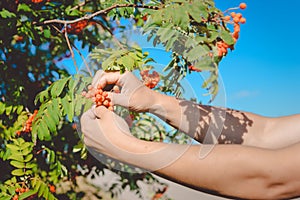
{"type": "Point", "coordinates": [262, 75]}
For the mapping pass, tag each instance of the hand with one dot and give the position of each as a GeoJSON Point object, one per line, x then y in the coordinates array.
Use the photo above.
{"type": "Point", "coordinates": [134, 95]}
{"type": "Point", "coordinates": [105, 131]}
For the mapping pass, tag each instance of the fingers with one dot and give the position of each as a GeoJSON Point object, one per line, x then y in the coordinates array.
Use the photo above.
{"type": "Point", "coordinates": [97, 77]}
{"type": "Point", "coordinates": [101, 111]}
{"type": "Point", "coordinates": [104, 78]}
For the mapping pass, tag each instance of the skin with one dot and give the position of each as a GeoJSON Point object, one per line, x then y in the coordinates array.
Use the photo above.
{"type": "Point", "coordinates": [259, 161]}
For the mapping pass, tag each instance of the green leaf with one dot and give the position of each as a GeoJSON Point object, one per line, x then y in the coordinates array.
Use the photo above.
{"type": "Point", "coordinates": [8, 110]}
{"type": "Point", "coordinates": [28, 158]}
{"type": "Point", "coordinates": [24, 7]}
{"type": "Point", "coordinates": [26, 194]}
{"type": "Point", "coordinates": [19, 109]}
{"type": "Point", "coordinates": [58, 87]}
{"type": "Point", "coordinates": [18, 172]}
{"type": "Point", "coordinates": [17, 157]}
{"type": "Point", "coordinates": [12, 147]}
{"type": "Point", "coordinates": [42, 189]}
{"type": "Point", "coordinates": [17, 164]}
{"type": "Point", "coordinates": [6, 14]}
{"type": "Point", "coordinates": [47, 33]}
{"type": "Point", "coordinates": [227, 37]}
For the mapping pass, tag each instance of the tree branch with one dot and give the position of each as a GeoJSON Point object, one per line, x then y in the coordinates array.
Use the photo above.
{"type": "Point", "coordinates": [88, 17]}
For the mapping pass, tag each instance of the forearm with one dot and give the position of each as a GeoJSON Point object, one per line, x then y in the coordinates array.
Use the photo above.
{"type": "Point", "coordinates": [229, 170]}
{"type": "Point", "coordinates": [208, 124]}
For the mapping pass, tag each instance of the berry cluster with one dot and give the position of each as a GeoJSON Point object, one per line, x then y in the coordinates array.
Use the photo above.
{"type": "Point", "coordinates": [150, 80]}
{"type": "Point", "coordinates": [28, 124]}
{"type": "Point", "coordinates": [222, 48]}
{"type": "Point", "coordinates": [99, 97]}
{"type": "Point", "coordinates": [19, 191]}
{"type": "Point", "coordinates": [236, 19]}
{"type": "Point", "coordinates": [77, 27]}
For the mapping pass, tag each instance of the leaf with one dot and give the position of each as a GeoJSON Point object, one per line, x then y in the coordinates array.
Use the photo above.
{"type": "Point", "coordinates": [196, 53]}
{"type": "Point", "coordinates": [47, 33]}
{"type": "Point", "coordinates": [227, 37]}
{"type": "Point", "coordinates": [26, 194]}
{"type": "Point", "coordinates": [8, 110]}
{"type": "Point", "coordinates": [24, 7]}
{"type": "Point", "coordinates": [28, 158]}
{"type": "Point", "coordinates": [17, 164]}
{"type": "Point", "coordinates": [18, 172]}
{"type": "Point", "coordinates": [17, 157]}
{"type": "Point", "coordinates": [12, 147]}
{"type": "Point", "coordinates": [6, 14]}
{"type": "Point", "coordinates": [19, 109]}
{"type": "Point", "coordinates": [58, 87]}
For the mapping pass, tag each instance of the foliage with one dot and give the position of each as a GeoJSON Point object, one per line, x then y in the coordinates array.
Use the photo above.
{"type": "Point", "coordinates": [42, 149]}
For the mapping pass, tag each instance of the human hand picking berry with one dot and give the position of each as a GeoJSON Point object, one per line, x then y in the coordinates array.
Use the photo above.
{"type": "Point", "coordinates": [132, 94]}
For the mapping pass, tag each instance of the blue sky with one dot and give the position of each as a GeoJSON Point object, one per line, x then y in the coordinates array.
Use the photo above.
{"type": "Point", "coordinates": [262, 74]}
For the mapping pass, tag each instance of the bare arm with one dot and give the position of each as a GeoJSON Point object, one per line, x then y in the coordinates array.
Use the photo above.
{"type": "Point", "coordinates": [230, 170]}
{"type": "Point", "coordinates": [210, 125]}
{"type": "Point", "coordinates": [207, 124]}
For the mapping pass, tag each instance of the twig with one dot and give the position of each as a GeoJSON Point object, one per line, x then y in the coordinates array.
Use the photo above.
{"type": "Point", "coordinates": [70, 48]}
{"type": "Point", "coordinates": [88, 17]}
{"type": "Point", "coordinates": [84, 61]}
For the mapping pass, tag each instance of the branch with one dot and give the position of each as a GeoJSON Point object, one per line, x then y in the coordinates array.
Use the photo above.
{"type": "Point", "coordinates": [88, 17]}
{"type": "Point", "coordinates": [70, 48]}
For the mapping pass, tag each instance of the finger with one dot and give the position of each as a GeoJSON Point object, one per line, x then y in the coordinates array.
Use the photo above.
{"type": "Point", "coordinates": [101, 111]}
{"type": "Point", "coordinates": [97, 77]}
{"type": "Point", "coordinates": [88, 116]}
{"type": "Point", "coordinates": [108, 78]}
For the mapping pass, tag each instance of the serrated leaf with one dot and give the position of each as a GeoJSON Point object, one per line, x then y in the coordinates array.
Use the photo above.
{"type": "Point", "coordinates": [17, 164]}
{"type": "Point", "coordinates": [19, 109]}
{"type": "Point", "coordinates": [58, 87]}
{"type": "Point", "coordinates": [227, 37]}
{"type": "Point", "coordinates": [42, 189]}
{"type": "Point", "coordinates": [196, 53]}
{"type": "Point", "coordinates": [26, 194]}
{"type": "Point", "coordinates": [6, 14]}
{"type": "Point", "coordinates": [12, 147]}
{"type": "Point", "coordinates": [18, 172]}
{"type": "Point", "coordinates": [28, 158]}
{"type": "Point", "coordinates": [8, 110]}
{"type": "Point", "coordinates": [17, 157]}
{"type": "Point", "coordinates": [47, 33]}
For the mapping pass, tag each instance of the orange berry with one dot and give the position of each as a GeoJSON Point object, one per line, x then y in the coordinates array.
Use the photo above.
{"type": "Point", "coordinates": [16, 197]}
{"type": "Point", "coordinates": [52, 188]}
{"type": "Point", "coordinates": [236, 35]}
{"type": "Point", "coordinates": [239, 15]}
{"type": "Point", "coordinates": [110, 108]}
{"type": "Point", "coordinates": [106, 103]}
{"type": "Point", "coordinates": [243, 6]}
{"type": "Point", "coordinates": [227, 18]}
{"type": "Point", "coordinates": [104, 94]}
{"type": "Point", "coordinates": [243, 20]}
{"type": "Point", "coordinates": [17, 190]}
{"type": "Point", "coordinates": [232, 14]}
{"type": "Point", "coordinates": [22, 190]}
{"type": "Point", "coordinates": [236, 19]}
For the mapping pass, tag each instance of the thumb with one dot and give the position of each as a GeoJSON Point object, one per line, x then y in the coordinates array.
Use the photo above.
{"type": "Point", "coordinates": [100, 111]}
